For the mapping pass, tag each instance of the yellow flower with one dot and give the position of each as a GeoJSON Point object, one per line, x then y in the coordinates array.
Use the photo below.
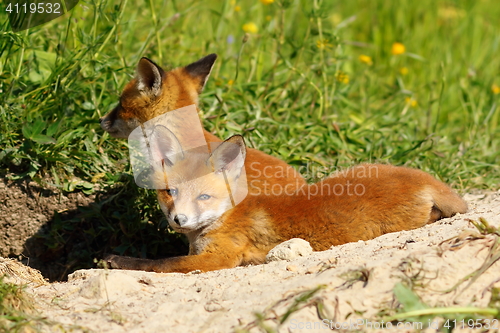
{"type": "Point", "coordinates": [403, 71]}
{"type": "Point", "coordinates": [342, 77]}
{"type": "Point", "coordinates": [250, 27]}
{"type": "Point", "coordinates": [323, 44]}
{"type": "Point", "coordinates": [268, 17]}
{"type": "Point", "coordinates": [449, 13]}
{"type": "Point", "coordinates": [366, 59]}
{"type": "Point", "coordinates": [495, 89]}
{"type": "Point", "coordinates": [230, 82]}
{"type": "Point", "coordinates": [411, 102]}
{"type": "Point", "coordinates": [398, 48]}
{"type": "Point", "coordinates": [267, 2]}
{"type": "Point", "coordinates": [232, 2]}
{"type": "Point", "coordinates": [237, 8]}
{"type": "Point", "coordinates": [97, 177]}
{"type": "Point", "coordinates": [336, 19]}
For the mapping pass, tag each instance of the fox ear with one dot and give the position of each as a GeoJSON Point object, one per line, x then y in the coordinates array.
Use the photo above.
{"type": "Point", "coordinates": [201, 69]}
{"type": "Point", "coordinates": [165, 146]}
{"type": "Point", "coordinates": [149, 77]}
{"type": "Point", "coordinates": [229, 156]}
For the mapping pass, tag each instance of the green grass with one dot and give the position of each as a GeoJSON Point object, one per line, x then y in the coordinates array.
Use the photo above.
{"type": "Point", "coordinates": [19, 312]}
{"type": "Point", "coordinates": [295, 89]}
{"type": "Point", "coordinates": [16, 309]}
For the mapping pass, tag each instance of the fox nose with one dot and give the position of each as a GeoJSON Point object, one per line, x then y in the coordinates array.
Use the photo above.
{"type": "Point", "coordinates": [101, 119]}
{"type": "Point", "coordinates": [180, 219]}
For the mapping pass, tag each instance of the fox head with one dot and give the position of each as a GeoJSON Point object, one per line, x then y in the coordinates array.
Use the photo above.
{"type": "Point", "coordinates": [153, 92]}
{"type": "Point", "coordinates": [196, 188]}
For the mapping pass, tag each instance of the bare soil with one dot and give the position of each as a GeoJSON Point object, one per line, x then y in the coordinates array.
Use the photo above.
{"type": "Point", "coordinates": [27, 212]}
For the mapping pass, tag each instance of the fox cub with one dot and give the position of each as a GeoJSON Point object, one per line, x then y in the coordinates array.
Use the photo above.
{"type": "Point", "coordinates": [154, 92]}
{"type": "Point", "coordinates": [360, 203]}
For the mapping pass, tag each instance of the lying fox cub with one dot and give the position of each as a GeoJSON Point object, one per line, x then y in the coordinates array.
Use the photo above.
{"type": "Point", "coordinates": [360, 203]}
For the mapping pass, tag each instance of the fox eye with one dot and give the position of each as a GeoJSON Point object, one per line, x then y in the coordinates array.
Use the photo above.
{"type": "Point", "coordinates": [204, 197]}
{"type": "Point", "coordinates": [172, 192]}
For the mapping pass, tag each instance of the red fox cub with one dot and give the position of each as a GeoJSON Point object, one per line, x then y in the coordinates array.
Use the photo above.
{"type": "Point", "coordinates": [154, 92]}
{"type": "Point", "coordinates": [360, 203]}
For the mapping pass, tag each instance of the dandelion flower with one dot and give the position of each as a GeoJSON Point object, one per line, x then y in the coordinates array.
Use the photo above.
{"type": "Point", "coordinates": [495, 89]}
{"type": "Point", "coordinates": [267, 2]}
{"type": "Point", "coordinates": [250, 28]}
{"type": "Point", "coordinates": [323, 44]}
{"type": "Point", "coordinates": [366, 59]}
{"type": "Point", "coordinates": [230, 82]}
{"type": "Point", "coordinates": [237, 8]}
{"type": "Point", "coordinates": [411, 102]}
{"type": "Point", "coordinates": [342, 77]}
{"type": "Point", "coordinates": [268, 17]}
{"type": "Point", "coordinates": [403, 71]}
{"type": "Point", "coordinates": [398, 48]}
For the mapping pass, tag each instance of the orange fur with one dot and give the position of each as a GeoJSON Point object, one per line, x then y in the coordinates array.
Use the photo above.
{"type": "Point", "coordinates": [360, 203]}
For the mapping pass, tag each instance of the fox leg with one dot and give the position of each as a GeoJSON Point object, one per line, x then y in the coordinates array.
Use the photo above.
{"type": "Point", "coordinates": [204, 262]}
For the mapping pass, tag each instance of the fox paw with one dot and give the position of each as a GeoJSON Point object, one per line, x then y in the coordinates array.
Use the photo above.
{"type": "Point", "coordinates": [112, 261]}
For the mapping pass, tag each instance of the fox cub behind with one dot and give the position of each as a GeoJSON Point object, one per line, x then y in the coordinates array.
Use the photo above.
{"type": "Point", "coordinates": [360, 203]}
{"type": "Point", "coordinates": [154, 92]}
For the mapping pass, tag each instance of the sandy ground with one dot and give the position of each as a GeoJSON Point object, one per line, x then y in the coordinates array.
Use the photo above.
{"type": "Point", "coordinates": [357, 282]}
